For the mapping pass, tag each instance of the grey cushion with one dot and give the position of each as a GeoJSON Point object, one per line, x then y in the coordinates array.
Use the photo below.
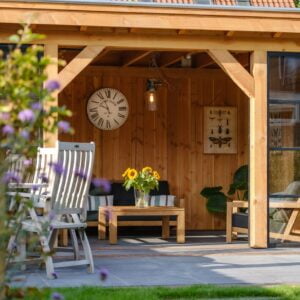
{"type": "Point", "coordinates": [162, 200]}
{"type": "Point", "coordinates": [95, 201]}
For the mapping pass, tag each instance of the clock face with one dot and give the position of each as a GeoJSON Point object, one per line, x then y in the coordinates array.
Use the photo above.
{"type": "Point", "coordinates": [107, 109]}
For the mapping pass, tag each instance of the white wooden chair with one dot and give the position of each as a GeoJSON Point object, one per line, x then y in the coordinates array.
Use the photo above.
{"type": "Point", "coordinates": [67, 203]}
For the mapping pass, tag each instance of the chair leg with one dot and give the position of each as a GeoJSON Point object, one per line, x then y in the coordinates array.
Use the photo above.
{"type": "Point", "coordinates": [47, 257]}
{"type": "Point", "coordinates": [229, 222]}
{"type": "Point", "coordinates": [74, 241]}
{"type": "Point", "coordinates": [87, 250]}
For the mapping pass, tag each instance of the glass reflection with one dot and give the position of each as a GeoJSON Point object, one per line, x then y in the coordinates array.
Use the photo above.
{"type": "Point", "coordinates": [284, 125]}
{"type": "Point", "coordinates": [284, 77]}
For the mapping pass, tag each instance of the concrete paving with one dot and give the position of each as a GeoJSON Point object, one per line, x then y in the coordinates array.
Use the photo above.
{"type": "Point", "coordinates": [150, 261]}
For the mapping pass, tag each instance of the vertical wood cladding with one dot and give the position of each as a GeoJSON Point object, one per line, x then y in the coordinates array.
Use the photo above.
{"type": "Point", "coordinates": [171, 139]}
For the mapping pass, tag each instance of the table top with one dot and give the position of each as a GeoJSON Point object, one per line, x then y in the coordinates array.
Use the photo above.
{"type": "Point", "coordinates": [156, 210]}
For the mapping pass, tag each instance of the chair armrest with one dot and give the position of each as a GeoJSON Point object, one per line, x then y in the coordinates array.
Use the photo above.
{"type": "Point", "coordinates": [285, 204]}
{"type": "Point", "coordinates": [179, 202]}
{"type": "Point", "coordinates": [239, 203]}
{"type": "Point", "coordinates": [26, 185]}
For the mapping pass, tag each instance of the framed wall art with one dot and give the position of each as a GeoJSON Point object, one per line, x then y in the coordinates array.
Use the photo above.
{"type": "Point", "coordinates": [220, 130]}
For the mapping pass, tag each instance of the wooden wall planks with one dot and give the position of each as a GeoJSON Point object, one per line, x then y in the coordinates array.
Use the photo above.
{"type": "Point", "coordinates": [171, 139]}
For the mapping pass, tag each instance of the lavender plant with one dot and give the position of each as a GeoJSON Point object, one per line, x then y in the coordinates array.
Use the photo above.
{"type": "Point", "coordinates": [26, 110]}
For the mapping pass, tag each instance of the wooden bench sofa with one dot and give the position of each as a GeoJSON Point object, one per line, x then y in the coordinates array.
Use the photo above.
{"type": "Point", "coordinates": [119, 196]}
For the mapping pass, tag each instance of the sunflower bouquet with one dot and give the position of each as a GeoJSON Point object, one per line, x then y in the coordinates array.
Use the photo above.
{"type": "Point", "coordinates": [144, 180]}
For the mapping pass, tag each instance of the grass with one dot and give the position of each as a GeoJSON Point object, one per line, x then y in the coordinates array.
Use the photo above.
{"type": "Point", "coordinates": [151, 293]}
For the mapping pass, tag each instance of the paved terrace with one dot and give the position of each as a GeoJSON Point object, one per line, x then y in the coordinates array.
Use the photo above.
{"type": "Point", "coordinates": [205, 259]}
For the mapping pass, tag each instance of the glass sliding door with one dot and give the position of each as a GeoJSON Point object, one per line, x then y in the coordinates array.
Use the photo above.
{"type": "Point", "coordinates": [283, 145]}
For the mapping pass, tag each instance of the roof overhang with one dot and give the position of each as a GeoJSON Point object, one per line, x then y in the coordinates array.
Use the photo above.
{"type": "Point", "coordinates": [149, 17]}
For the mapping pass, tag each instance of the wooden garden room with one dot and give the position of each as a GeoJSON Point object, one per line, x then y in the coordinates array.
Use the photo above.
{"type": "Point", "coordinates": [204, 63]}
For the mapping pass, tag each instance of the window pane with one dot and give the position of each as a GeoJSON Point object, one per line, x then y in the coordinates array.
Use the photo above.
{"type": "Point", "coordinates": [284, 77]}
{"type": "Point", "coordinates": [284, 121]}
{"type": "Point", "coordinates": [284, 173]}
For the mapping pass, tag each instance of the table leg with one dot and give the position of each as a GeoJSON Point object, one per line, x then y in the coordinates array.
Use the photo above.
{"type": "Point", "coordinates": [101, 224]}
{"type": "Point", "coordinates": [165, 227]}
{"type": "Point", "coordinates": [181, 227]}
{"type": "Point", "coordinates": [113, 228]}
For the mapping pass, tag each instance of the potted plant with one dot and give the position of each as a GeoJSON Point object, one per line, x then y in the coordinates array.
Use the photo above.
{"type": "Point", "coordinates": [216, 199]}
{"type": "Point", "coordinates": [143, 182]}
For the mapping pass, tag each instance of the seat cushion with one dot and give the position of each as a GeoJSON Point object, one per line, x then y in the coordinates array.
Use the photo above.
{"type": "Point", "coordinates": [121, 196]}
{"type": "Point", "coordinates": [95, 201]}
{"type": "Point", "coordinates": [163, 189]}
{"type": "Point", "coordinates": [240, 220]}
{"type": "Point", "coordinates": [162, 200]}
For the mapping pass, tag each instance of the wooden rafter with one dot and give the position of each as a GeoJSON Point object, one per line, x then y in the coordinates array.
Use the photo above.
{"type": "Point", "coordinates": [76, 65]}
{"type": "Point", "coordinates": [83, 28]}
{"type": "Point", "coordinates": [133, 58]}
{"type": "Point", "coordinates": [234, 69]}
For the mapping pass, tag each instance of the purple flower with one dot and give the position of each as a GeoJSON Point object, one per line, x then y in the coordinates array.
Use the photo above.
{"type": "Point", "coordinates": [57, 296]}
{"type": "Point", "coordinates": [26, 115]}
{"type": "Point", "coordinates": [37, 106]}
{"type": "Point", "coordinates": [4, 116]}
{"type": "Point", "coordinates": [11, 177]}
{"type": "Point", "coordinates": [51, 215]}
{"type": "Point", "coordinates": [27, 162]}
{"type": "Point", "coordinates": [58, 168]}
{"type": "Point", "coordinates": [24, 134]}
{"type": "Point", "coordinates": [81, 174]}
{"type": "Point", "coordinates": [35, 187]}
{"type": "Point", "coordinates": [44, 178]}
{"type": "Point", "coordinates": [54, 274]}
{"type": "Point", "coordinates": [102, 183]}
{"type": "Point", "coordinates": [8, 129]}
{"type": "Point", "coordinates": [103, 274]}
{"type": "Point", "coordinates": [52, 85]}
{"type": "Point", "coordinates": [63, 126]}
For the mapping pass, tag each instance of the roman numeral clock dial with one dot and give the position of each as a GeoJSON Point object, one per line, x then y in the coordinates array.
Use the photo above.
{"type": "Point", "coordinates": [107, 109]}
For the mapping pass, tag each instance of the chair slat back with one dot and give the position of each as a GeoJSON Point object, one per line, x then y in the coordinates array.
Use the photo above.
{"type": "Point", "coordinates": [73, 177]}
{"type": "Point", "coordinates": [17, 166]}
{"type": "Point", "coordinates": [43, 171]}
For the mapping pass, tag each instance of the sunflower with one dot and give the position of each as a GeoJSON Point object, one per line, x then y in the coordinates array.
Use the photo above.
{"type": "Point", "coordinates": [147, 170]}
{"type": "Point", "coordinates": [156, 175]}
{"type": "Point", "coordinates": [132, 173]}
{"type": "Point", "coordinates": [126, 172]}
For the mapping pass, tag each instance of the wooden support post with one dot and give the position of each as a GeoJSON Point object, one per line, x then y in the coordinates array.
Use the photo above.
{"type": "Point", "coordinates": [51, 50]}
{"type": "Point", "coordinates": [258, 202]}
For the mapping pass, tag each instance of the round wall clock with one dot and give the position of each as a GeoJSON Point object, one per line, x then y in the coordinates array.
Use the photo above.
{"type": "Point", "coordinates": [107, 109]}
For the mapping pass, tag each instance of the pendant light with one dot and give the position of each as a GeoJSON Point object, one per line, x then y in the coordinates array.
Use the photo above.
{"type": "Point", "coordinates": [150, 95]}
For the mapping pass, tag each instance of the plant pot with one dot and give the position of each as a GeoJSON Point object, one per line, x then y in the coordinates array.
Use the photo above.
{"type": "Point", "coordinates": [141, 199]}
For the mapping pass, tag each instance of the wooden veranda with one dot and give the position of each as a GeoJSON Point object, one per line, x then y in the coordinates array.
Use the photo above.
{"type": "Point", "coordinates": [108, 44]}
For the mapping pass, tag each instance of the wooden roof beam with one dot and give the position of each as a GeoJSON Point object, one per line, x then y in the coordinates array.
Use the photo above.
{"type": "Point", "coordinates": [229, 64]}
{"type": "Point", "coordinates": [133, 58]}
{"type": "Point", "coordinates": [77, 64]}
{"type": "Point", "coordinates": [83, 28]}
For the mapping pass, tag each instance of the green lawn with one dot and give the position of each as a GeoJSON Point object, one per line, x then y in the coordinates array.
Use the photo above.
{"type": "Point", "coordinates": [187, 292]}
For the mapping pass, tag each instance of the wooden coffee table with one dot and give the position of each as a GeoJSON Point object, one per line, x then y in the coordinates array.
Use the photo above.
{"type": "Point", "coordinates": [111, 214]}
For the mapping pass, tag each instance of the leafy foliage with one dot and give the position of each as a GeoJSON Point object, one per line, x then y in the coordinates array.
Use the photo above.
{"type": "Point", "coordinates": [216, 199]}
{"type": "Point", "coordinates": [27, 107]}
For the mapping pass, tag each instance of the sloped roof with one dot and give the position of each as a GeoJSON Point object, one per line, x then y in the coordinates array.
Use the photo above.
{"type": "Point", "coordinates": [209, 3]}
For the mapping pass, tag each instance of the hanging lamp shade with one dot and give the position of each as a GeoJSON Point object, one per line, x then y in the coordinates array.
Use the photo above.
{"type": "Point", "coordinates": [151, 95]}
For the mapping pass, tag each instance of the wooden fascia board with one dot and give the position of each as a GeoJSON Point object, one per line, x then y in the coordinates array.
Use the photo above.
{"type": "Point", "coordinates": [228, 63]}
{"type": "Point", "coordinates": [153, 42]}
{"type": "Point", "coordinates": [151, 18]}
{"type": "Point", "coordinates": [77, 64]}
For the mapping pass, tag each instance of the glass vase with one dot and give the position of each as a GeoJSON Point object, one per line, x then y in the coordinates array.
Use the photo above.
{"type": "Point", "coordinates": [141, 198]}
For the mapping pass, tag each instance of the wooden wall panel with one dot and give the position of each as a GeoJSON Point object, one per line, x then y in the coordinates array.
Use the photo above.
{"type": "Point", "coordinates": [170, 139]}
